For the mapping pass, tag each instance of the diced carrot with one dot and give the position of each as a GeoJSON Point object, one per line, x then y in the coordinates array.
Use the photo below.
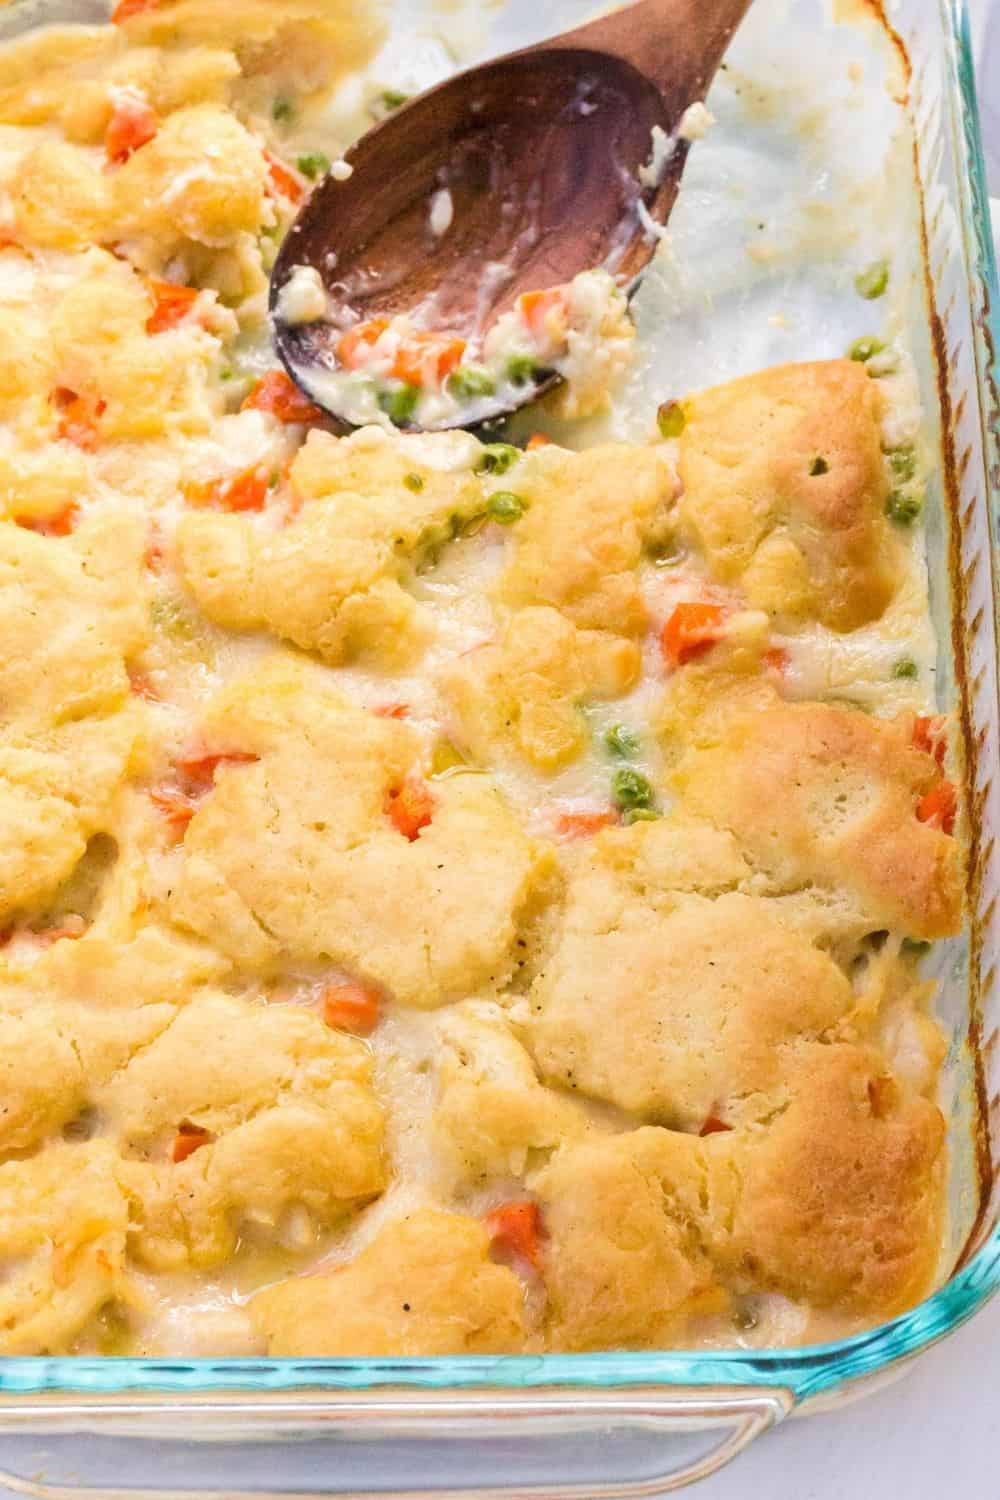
{"type": "Point", "coordinates": [133, 123]}
{"type": "Point", "coordinates": [545, 312]}
{"type": "Point", "coordinates": [60, 523]}
{"type": "Point", "coordinates": [930, 736]}
{"type": "Point", "coordinates": [517, 1227]}
{"type": "Point", "coordinates": [126, 9]}
{"type": "Point", "coordinates": [78, 418]}
{"type": "Point", "coordinates": [777, 660]}
{"type": "Point", "coordinates": [196, 775]}
{"type": "Point", "coordinates": [60, 934]}
{"type": "Point", "coordinates": [939, 806]}
{"type": "Point", "coordinates": [198, 770]}
{"type": "Point", "coordinates": [176, 806]}
{"type": "Point", "coordinates": [143, 686]}
{"type": "Point", "coordinates": [171, 304]}
{"type": "Point", "coordinates": [351, 1007]}
{"type": "Point", "coordinates": [537, 440]}
{"type": "Point", "coordinates": [284, 181]}
{"type": "Point", "coordinates": [427, 359]}
{"type": "Point", "coordinates": [276, 393]}
{"type": "Point", "coordinates": [154, 550]}
{"type": "Point", "coordinates": [712, 1125]}
{"type": "Point", "coordinates": [354, 346]}
{"type": "Point", "coordinates": [246, 491]}
{"type": "Point", "coordinates": [410, 808]}
{"type": "Point", "coordinates": [583, 825]}
{"type": "Point", "coordinates": [188, 1140]}
{"type": "Point", "coordinates": [392, 711]}
{"type": "Point", "coordinates": [692, 629]}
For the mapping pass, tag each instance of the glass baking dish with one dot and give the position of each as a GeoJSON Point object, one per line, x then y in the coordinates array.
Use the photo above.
{"type": "Point", "coordinates": [630, 1424]}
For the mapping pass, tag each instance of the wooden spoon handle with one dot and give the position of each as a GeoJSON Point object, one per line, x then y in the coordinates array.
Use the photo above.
{"type": "Point", "coordinates": [677, 44]}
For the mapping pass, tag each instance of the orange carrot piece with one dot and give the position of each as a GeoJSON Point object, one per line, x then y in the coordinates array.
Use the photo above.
{"type": "Point", "coordinates": [198, 769]}
{"type": "Point", "coordinates": [537, 440]}
{"type": "Point", "coordinates": [392, 711]}
{"type": "Point", "coordinates": [410, 808]}
{"type": "Point", "coordinates": [133, 123]}
{"type": "Point", "coordinates": [284, 181]}
{"type": "Point", "coordinates": [60, 523]}
{"type": "Point", "coordinates": [188, 1140]}
{"type": "Point", "coordinates": [246, 491]}
{"type": "Point", "coordinates": [517, 1228]}
{"type": "Point", "coordinates": [176, 806]}
{"type": "Point", "coordinates": [583, 825]}
{"type": "Point", "coordinates": [141, 685]}
{"type": "Point", "coordinates": [543, 309]}
{"type": "Point", "coordinates": [171, 304]}
{"type": "Point", "coordinates": [427, 359]}
{"type": "Point", "coordinates": [78, 418]}
{"type": "Point", "coordinates": [929, 735]}
{"type": "Point", "coordinates": [352, 347]}
{"type": "Point", "coordinates": [939, 807]}
{"type": "Point", "coordinates": [351, 1007]}
{"type": "Point", "coordinates": [276, 393]}
{"type": "Point", "coordinates": [126, 9]}
{"type": "Point", "coordinates": [692, 629]}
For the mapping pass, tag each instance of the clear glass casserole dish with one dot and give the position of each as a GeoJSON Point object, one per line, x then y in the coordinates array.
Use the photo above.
{"type": "Point", "coordinates": [628, 1424]}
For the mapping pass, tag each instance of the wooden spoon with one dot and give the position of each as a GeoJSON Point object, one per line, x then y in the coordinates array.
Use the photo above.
{"type": "Point", "coordinates": [540, 151]}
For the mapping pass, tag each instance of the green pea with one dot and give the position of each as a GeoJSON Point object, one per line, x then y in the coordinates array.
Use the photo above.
{"type": "Point", "coordinates": [639, 815]}
{"type": "Point", "coordinates": [470, 381]}
{"type": "Point", "coordinates": [670, 419]}
{"type": "Point", "coordinates": [394, 98]}
{"type": "Point", "coordinates": [497, 458]}
{"type": "Point", "coordinates": [904, 668]}
{"type": "Point", "coordinates": [873, 280]}
{"type": "Point", "coordinates": [522, 369]}
{"type": "Point", "coordinates": [399, 402]}
{"type": "Point", "coordinates": [282, 108]}
{"type": "Point", "coordinates": [818, 466]}
{"type": "Point", "coordinates": [414, 482]}
{"type": "Point", "coordinates": [631, 789]}
{"type": "Point", "coordinates": [313, 164]}
{"type": "Point", "coordinates": [865, 348]}
{"type": "Point", "coordinates": [903, 463]}
{"type": "Point", "coordinates": [903, 508]}
{"type": "Point", "coordinates": [916, 946]}
{"type": "Point", "coordinates": [622, 741]}
{"type": "Point", "coordinates": [505, 507]}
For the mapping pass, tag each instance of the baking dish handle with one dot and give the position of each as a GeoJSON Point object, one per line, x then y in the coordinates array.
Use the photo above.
{"type": "Point", "coordinates": [545, 1444]}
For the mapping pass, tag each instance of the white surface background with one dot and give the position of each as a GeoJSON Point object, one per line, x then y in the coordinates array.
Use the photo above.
{"type": "Point", "coordinates": [935, 1434]}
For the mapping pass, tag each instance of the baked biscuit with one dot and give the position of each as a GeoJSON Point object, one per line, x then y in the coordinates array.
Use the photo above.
{"type": "Point", "coordinates": [424, 1286]}
{"type": "Point", "coordinates": [492, 1113]}
{"type": "Point", "coordinates": [526, 690]}
{"type": "Point", "coordinates": [63, 1222]}
{"type": "Point", "coordinates": [70, 732]}
{"type": "Point", "coordinates": [579, 544]}
{"type": "Point", "coordinates": [297, 856]}
{"type": "Point", "coordinates": [784, 489]}
{"type": "Point", "coordinates": [670, 1005]}
{"type": "Point", "coordinates": [284, 1115]}
{"type": "Point", "coordinates": [620, 1270]}
{"type": "Point", "coordinates": [333, 581]}
{"type": "Point", "coordinates": [823, 801]}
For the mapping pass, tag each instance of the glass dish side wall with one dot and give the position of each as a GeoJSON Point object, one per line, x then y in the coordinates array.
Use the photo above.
{"type": "Point", "coordinates": [409, 1416]}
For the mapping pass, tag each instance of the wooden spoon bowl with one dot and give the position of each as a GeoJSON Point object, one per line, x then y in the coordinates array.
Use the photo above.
{"type": "Point", "coordinates": [540, 151]}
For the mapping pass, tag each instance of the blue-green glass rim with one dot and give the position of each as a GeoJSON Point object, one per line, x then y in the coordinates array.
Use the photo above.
{"type": "Point", "coordinates": [806, 1372]}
